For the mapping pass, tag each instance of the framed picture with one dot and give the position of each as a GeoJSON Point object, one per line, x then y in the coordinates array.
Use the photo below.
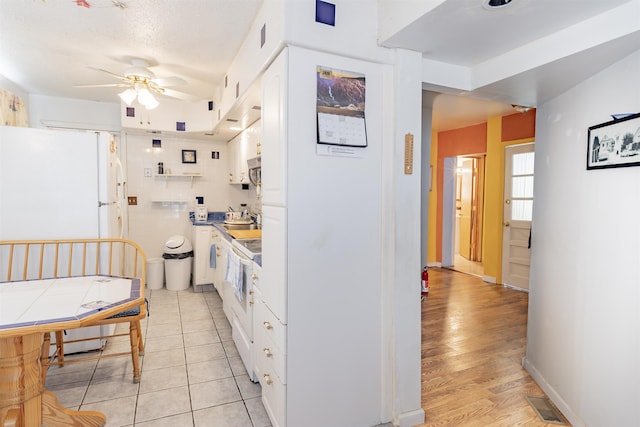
{"type": "Point", "coordinates": [614, 144]}
{"type": "Point", "coordinates": [188, 156]}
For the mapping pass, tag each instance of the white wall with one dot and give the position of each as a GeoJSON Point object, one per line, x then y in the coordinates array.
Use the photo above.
{"type": "Point", "coordinates": [583, 341]}
{"type": "Point", "coordinates": [73, 113]}
{"type": "Point", "coordinates": [152, 223]}
{"type": "Point", "coordinates": [13, 88]}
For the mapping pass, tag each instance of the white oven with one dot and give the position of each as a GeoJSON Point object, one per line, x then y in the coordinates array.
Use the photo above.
{"type": "Point", "coordinates": [241, 256]}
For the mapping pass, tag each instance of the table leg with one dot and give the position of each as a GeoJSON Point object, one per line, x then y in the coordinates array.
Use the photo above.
{"type": "Point", "coordinates": [23, 401]}
{"type": "Point", "coordinates": [56, 415]}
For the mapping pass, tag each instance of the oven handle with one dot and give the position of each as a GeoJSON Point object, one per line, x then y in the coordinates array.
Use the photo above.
{"type": "Point", "coordinates": [243, 258]}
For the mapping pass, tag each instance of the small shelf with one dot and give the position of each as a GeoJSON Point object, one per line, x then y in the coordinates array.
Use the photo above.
{"type": "Point", "coordinates": [189, 175]}
{"type": "Point", "coordinates": [178, 175]}
{"type": "Point", "coordinates": [169, 201]}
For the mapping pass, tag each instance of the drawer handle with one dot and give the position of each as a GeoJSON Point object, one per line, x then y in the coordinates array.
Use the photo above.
{"type": "Point", "coordinates": [267, 379]}
{"type": "Point", "coordinates": [267, 325]}
{"type": "Point", "coordinates": [254, 276]}
{"type": "Point", "coordinates": [267, 352]}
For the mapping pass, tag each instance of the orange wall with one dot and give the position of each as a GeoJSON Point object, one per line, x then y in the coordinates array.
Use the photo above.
{"type": "Point", "coordinates": [508, 130]}
{"type": "Point", "coordinates": [452, 143]}
{"type": "Point", "coordinates": [519, 126]}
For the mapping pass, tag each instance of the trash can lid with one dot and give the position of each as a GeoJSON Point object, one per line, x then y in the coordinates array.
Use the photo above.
{"type": "Point", "coordinates": [177, 245]}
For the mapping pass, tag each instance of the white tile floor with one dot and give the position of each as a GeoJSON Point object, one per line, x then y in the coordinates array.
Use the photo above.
{"type": "Point", "coordinates": [192, 374]}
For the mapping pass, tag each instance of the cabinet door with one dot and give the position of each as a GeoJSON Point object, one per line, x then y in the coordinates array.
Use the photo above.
{"type": "Point", "coordinates": [202, 272]}
{"type": "Point", "coordinates": [274, 264]}
{"type": "Point", "coordinates": [274, 143]}
{"type": "Point", "coordinates": [221, 262]}
{"type": "Point", "coordinates": [234, 161]}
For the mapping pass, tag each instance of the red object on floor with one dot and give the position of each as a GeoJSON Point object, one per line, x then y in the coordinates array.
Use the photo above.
{"type": "Point", "coordinates": [425, 282]}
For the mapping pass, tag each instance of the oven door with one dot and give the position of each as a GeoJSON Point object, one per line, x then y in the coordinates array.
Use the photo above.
{"type": "Point", "coordinates": [243, 309]}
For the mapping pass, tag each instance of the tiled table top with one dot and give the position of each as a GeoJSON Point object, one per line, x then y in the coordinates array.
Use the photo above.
{"type": "Point", "coordinates": [46, 301]}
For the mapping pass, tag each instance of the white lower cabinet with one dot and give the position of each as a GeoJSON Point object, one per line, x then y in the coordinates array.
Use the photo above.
{"type": "Point", "coordinates": [221, 260]}
{"type": "Point", "coordinates": [269, 343]}
{"type": "Point", "coordinates": [202, 272]}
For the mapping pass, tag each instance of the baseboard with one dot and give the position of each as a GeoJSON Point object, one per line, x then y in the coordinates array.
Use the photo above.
{"type": "Point", "coordinates": [409, 419]}
{"type": "Point", "coordinates": [515, 288]}
{"type": "Point", "coordinates": [552, 394]}
{"type": "Point", "coordinates": [489, 279]}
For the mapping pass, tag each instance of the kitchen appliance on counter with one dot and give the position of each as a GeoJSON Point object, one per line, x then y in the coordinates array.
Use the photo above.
{"type": "Point", "coordinates": [201, 214]}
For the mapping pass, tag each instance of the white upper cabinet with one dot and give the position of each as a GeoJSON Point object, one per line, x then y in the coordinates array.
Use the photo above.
{"type": "Point", "coordinates": [274, 134]}
{"type": "Point", "coordinates": [241, 148]}
{"type": "Point", "coordinates": [170, 116]}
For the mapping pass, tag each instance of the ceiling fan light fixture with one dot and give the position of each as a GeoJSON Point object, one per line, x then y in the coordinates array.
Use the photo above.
{"type": "Point", "coordinates": [152, 103]}
{"type": "Point", "coordinates": [128, 96]}
{"type": "Point", "coordinates": [146, 99]}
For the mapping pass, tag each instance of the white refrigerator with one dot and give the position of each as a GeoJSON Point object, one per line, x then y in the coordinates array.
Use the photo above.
{"type": "Point", "coordinates": [59, 184]}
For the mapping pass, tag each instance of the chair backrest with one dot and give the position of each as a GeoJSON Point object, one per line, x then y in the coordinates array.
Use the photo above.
{"type": "Point", "coordinates": [44, 259]}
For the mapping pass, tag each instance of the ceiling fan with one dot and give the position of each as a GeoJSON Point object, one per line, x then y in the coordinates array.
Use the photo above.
{"type": "Point", "coordinates": [141, 83]}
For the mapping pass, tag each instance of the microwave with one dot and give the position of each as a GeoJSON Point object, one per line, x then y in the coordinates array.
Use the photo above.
{"type": "Point", "coordinates": [254, 166]}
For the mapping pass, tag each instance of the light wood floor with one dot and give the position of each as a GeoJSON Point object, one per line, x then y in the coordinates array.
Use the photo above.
{"type": "Point", "coordinates": [473, 341]}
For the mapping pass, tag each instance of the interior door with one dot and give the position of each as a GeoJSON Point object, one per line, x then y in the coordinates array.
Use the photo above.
{"type": "Point", "coordinates": [466, 194]}
{"type": "Point", "coordinates": [518, 208]}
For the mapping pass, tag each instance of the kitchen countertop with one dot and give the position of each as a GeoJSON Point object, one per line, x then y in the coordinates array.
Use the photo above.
{"type": "Point", "coordinates": [216, 219]}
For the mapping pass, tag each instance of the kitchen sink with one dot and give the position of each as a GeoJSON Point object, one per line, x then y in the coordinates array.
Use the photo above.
{"type": "Point", "coordinates": [239, 226]}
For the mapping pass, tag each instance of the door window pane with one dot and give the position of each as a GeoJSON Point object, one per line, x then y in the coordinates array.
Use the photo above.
{"type": "Point", "coordinates": [521, 210]}
{"type": "Point", "coordinates": [522, 187]}
{"type": "Point", "coordinates": [523, 163]}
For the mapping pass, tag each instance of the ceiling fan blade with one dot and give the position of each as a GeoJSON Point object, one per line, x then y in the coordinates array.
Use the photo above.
{"type": "Point", "coordinates": [169, 81]}
{"type": "Point", "coordinates": [180, 95]}
{"type": "Point", "coordinates": [105, 85]}
{"type": "Point", "coordinates": [117, 76]}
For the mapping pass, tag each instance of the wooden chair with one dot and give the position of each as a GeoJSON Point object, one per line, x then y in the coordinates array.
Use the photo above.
{"type": "Point", "coordinates": [42, 259]}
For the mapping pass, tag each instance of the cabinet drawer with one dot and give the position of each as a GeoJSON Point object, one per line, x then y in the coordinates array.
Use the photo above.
{"type": "Point", "coordinates": [273, 393]}
{"type": "Point", "coordinates": [267, 322]}
{"type": "Point", "coordinates": [268, 355]}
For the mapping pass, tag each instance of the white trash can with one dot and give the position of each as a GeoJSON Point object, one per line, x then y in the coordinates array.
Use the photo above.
{"type": "Point", "coordinates": [177, 263]}
{"type": "Point", "coordinates": [155, 273]}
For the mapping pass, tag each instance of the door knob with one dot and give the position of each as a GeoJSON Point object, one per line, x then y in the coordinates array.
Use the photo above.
{"type": "Point", "coordinates": [506, 223]}
{"type": "Point", "coordinates": [508, 201]}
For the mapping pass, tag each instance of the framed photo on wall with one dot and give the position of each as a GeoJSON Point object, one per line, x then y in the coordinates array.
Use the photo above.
{"type": "Point", "coordinates": [614, 144]}
{"type": "Point", "coordinates": [188, 156]}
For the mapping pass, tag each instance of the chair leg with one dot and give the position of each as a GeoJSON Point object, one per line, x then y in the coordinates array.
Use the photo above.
{"type": "Point", "coordinates": [133, 337]}
{"type": "Point", "coordinates": [44, 356]}
{"type": "Point", "coordinates": [140, 339]}
{"type": "Point", "coordinates": [60, 347]}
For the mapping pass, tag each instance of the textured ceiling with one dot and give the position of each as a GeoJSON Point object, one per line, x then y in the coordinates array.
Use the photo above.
{"type": "Point", "coordinates": [47, 46]}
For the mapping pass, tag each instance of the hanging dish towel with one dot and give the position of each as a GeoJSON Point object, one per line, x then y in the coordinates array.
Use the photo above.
{"type": "Point", "coordinates": [212, 256]}
{"type": "Point", "coordinates": [234, 274]}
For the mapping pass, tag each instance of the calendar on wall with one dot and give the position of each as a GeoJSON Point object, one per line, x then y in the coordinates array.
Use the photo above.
{"type": "Point", "coordinates": [340, 107]}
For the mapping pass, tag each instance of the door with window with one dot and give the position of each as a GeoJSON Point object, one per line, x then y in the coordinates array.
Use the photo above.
{"type": "Point", "coordinates": [518, 209]}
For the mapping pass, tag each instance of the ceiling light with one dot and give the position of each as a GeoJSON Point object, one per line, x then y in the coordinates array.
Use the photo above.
{"type": "Point", "coordinates": [493, 4]}
{"type": "Point", "coordinates": [521, 108]}
{"type": "Point", "coordinates": [143, 94]}
{"type": "Point", "coordinates": [128, 96]}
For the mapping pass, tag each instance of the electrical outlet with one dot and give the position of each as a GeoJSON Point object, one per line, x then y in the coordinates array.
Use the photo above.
{"type": "Point", "coordinates": [132, 200]}
{"type": "Point", "coordinates": [147, 172]}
